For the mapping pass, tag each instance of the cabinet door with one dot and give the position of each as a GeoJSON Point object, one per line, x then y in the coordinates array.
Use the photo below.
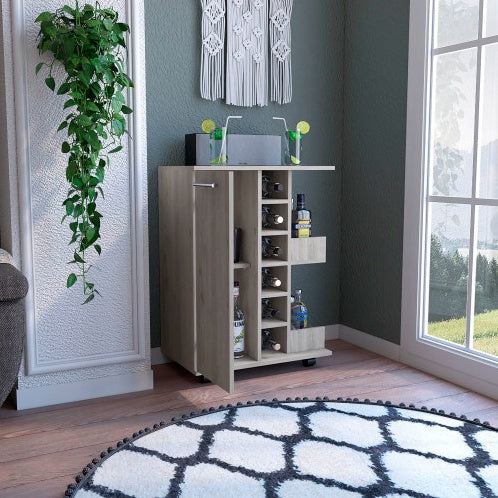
{"type": "Point", "coordinates": [214, 271]}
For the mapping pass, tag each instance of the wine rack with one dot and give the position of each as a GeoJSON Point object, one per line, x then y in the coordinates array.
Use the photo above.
{"type": "Point", "coordinates": [197, 269]}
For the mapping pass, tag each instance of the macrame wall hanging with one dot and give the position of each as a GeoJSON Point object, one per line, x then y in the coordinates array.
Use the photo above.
{"type": "Point", "coordinates": [247, 53]}
{"type": "Point", "coordinates": [213, 49]}
{"type": "Point", "coordinates": [248, 27]}
{"type": "Point", "coordinates": [280, 43]}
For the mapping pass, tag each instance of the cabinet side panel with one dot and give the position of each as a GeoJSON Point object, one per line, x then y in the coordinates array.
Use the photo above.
{"type": "Point", "coordinates": [177, 279]}
{"type": "Point", "coordinates": [214, 276]}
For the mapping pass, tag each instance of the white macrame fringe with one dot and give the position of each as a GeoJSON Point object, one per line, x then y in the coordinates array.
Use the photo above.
{"type": "Point", "coordinates": [213, 49]}
{"type": "Point", "coordinates": [281, 48]}
{"type": "Point", "coordinates": [247, 53]}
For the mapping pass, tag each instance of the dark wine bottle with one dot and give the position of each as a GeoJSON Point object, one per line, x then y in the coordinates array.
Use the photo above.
{"type": "Point", "coordinates": [269, 219]}
{"type": "Point", "coordinates": [268, 250]}
{"type": "Point", "coordinates": [269, 280]}
{"type": "Point", "coordinates": [268, 311]}
{"type": "Point", "coordinates": [270, 187]}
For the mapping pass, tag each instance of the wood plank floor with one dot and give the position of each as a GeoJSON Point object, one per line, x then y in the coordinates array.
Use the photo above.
{"type": "Point", "coordinates": [41, 450]}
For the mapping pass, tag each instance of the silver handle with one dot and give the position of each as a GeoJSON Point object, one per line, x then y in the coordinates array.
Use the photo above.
{"type": "Point", "coordinates": [205, 185]}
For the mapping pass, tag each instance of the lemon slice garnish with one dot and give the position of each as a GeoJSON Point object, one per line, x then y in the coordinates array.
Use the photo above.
{"type": "Point", "coordinates": [208, 125]}
{"type": "Point", "coordinates": [295, 160]}
{"type": "Point", "coordinates": [303, 127]}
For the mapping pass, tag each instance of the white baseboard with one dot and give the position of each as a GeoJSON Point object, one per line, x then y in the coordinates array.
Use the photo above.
{"type": "Point", "coordinates": [157, 357]}
{"type": "Point", "coordinates": [485, 386]}
{"type": "Point", "coordinates": [369, 342]}
{"type": "Point", "coordinates": [332, 332]}
{"type": "Point", "coordinates": [85, 389]}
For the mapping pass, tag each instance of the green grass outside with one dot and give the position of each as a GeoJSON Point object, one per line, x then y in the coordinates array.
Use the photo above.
{"type": "Point", "coordinates": [485, 332]}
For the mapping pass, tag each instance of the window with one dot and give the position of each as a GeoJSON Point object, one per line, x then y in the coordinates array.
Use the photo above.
{"type": "Point", "coordinates": [461, 290]}
{"type": "Point", "coordinates": [450, 278]}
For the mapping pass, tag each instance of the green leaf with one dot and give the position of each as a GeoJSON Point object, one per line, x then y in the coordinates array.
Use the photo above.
{"type": "Point", "coordinates": [38, 67]}
{"type": "Point", "coordinates": [62, 126]}
{"type": "Point", "coordinates": [117, 149]}
{"type": "Point", "coordinates": [64, 88]}
{"type": "Point", "coordinates": [69, 103]}
{"type": "Point", "coordinates": [116, 105]}
{"type": "Point", "coordinates": [65, 147]}
{"type": "Point", "coordinates": [91, 207]}
{"type": "Point", "coordinates": [108, 24]}
{"type": "Point", "coordinates": [71, 280]}
{"type": "Point", "coordinates": [91, 235]}
{"type": "Point", "coordinates": [50, 82]}
{"type": "Point", "coordinates": [126, 110]}
{"type": "Point", "coordinates": [92, 107]}
{"type": "Point", "coordinates": [89, 298]}
{"type": "Point", "coordinates": [98, 249]}
{"type": "Point", "coordinates": [69, 208]}
{"type": "Point", "coordinates": [118, 126]}
{"type": "Point", "coordinates": [78, 258]}
{"type": "Point", "coordinates": [43, 17]}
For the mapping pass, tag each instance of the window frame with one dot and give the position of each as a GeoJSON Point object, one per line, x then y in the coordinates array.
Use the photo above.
{"type": "Point", "coordinates": [459, 365]}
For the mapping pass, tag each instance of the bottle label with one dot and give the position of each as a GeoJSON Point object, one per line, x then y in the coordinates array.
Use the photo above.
{"type": "Point", "coordinates": [238, 336]}
{"type": "Point", "coordinates": [301, 319]}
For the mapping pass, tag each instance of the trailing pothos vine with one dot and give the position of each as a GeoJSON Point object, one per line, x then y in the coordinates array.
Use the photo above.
{"type": "Point", "coordinates": [87, 42]}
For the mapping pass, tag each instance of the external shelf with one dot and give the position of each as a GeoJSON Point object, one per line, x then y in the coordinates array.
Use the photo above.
{"type": "Point", "coordinates": [270, 357]}
{"type": "Point", "coordinates": [241, 265]}
{"type": "Point", "coordinates": [272, 323]}
{"type": "Point", "coordinates": [274, 201]}
{"type": "Point", "coordinates": [269, 263]}
{"type": "Point", "coordinates": [244, 362]}
{"type": "Point", "coordinates": [270, 232]}
{"type": "Point", "coordinates": [269, 293]}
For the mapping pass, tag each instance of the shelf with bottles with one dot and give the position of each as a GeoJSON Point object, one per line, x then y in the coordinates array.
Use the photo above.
{"type": "Point", "coordinates": [275, 248]}
{"type": "Point", "coordinates": [274, 219]}
{"type": "Point", "coordinates": [274, 186]}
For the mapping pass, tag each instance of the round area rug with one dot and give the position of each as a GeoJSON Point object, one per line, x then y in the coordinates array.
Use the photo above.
{"type": "Point", "coordinates": [320, 448]}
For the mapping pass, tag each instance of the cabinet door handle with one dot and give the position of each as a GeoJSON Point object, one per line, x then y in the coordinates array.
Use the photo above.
{"type": "Point", "coordinates": [205, 185]}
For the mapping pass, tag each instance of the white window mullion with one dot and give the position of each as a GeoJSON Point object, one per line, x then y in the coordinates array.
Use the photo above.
{"type": "Point", "coordinates": [471, 283]}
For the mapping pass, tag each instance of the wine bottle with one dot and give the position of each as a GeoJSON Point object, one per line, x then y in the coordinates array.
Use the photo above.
{"type": "Point", "coordinates": [269, 280]}
{"type": "Point", "coordinates": [268, 218]}
{"type": "Point", "coordinates": [269, 250]}
{"type": "Point", "coordinates": [267, 341]}
{"type": "Point", "coordinates": [268, 311]}
{"type": "Point", "coordinates": [270, 187]}
{"type": "Point", "coordinates": [301, 219]}
{"type": "Point", "coordinates": [299, 312]}
{"type": "Point", "coordinates": [238, 324]}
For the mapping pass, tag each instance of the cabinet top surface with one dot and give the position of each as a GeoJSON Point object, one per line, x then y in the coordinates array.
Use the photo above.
{"type": "Point", "coordinates": [257, 168]}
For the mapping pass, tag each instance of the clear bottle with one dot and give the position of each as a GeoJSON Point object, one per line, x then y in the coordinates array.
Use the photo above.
{"type": "Point", "coordinates": [299, 311]}
{"type": "Point", "coordinates": [301, 219]}
{"type": "Point", "coordinates": [238, 324]}
{"type": "Point", "coordinates": [268, 311]}
{"type": "Point", "coordinates": [268, 280]}
{"type": "Point", "coordinates": [270, 187]}
{"type": "Point", "coordinates": [270, 219]}
{"type": "Point", "coordinates": [268, 250]}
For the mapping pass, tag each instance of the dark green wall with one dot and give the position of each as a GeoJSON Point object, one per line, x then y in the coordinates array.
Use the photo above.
{"type": "Point", "coordinates": [375, 85]}
{"type": "Point", "coordinates": [174, 108]}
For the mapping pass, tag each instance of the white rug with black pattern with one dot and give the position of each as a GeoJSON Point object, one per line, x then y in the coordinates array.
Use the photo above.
{"type": "Point", "coordinates": [319, 448]}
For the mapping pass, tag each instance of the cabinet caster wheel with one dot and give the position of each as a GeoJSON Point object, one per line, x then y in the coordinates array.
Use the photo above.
{"type": "Point", "coordinates": [310, 362]}
{"type": "Point", "coordinates": [203, 380]}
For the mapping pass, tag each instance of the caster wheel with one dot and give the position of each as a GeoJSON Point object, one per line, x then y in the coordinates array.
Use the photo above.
{"type": "Point", "coordinates": [203, 380]}
{"type": "Point", "coordinates": [310, 362]}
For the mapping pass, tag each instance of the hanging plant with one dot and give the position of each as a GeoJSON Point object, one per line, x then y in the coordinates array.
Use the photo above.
{"type": "Point", "coordinates": [87, 42]}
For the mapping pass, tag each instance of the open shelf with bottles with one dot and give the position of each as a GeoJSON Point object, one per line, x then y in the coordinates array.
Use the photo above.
{"type": "Point", "coordinates": [199, 209]}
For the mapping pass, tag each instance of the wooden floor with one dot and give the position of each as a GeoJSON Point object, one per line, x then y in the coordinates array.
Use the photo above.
{"type": "Point", "coordinates": [42, 449]}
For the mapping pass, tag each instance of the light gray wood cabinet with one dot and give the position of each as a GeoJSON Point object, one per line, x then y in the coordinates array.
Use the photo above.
{"type": "Point", "coordinates": [199, 207]}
